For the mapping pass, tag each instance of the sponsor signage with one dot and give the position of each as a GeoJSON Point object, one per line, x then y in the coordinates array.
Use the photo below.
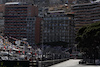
{"type": "Point", "coordinates": [14, 63]}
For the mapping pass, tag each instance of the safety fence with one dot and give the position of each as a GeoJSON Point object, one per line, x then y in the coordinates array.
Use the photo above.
{"type": "Point", "coordinates": [46, 63]}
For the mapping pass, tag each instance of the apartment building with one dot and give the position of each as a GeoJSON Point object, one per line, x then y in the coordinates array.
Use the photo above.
{"type": "Point", "coordinates": [86, 13]}
{"type": "Point", "coordinates": [1, 18]}
{"type": "Point", "coordinates": [22, 21]}
{"type": "Point", "coordinates": [58, 26]}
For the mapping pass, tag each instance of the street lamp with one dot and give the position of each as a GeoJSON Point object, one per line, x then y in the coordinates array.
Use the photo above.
{"type": "Point", "coordinates": [42, 39]}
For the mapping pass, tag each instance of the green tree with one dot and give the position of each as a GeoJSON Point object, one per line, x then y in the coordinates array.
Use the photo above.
{"type": "Point", "coordinates": [88, 39]}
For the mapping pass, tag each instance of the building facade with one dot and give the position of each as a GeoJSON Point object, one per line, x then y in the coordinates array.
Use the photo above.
{"type": "Point", "coordinates": [86, 13]}
{"type": "Point", "coordinates": [21, 20]}
{"type": "Point", "coordinates": [58, 27]}
{"type": "Point", "coordinates": [1, 18]}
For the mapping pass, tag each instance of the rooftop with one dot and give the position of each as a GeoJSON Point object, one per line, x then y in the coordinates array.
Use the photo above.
{"type": "Point", "coordinates": [90, 3]}
{"type": "Point", "coordinates": [97, 0]}
{"type": "Point", "coordinates": [87, 3]}
{"type": "Point", "coordinates": [14, 3]}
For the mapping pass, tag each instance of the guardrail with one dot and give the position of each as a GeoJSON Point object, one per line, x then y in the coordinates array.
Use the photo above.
{"type": "Point", "coordinates": [50, 62]}
{"type": "Point", "coordinates": [30, 63]}
{"type": "Point", "coordinates": [33, 64]}
{"type": "Point", "coordinates": [7, 63]}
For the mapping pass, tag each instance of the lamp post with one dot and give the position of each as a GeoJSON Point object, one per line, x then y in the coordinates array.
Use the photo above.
{"type": "Point", "coordinates": [42, 40]}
